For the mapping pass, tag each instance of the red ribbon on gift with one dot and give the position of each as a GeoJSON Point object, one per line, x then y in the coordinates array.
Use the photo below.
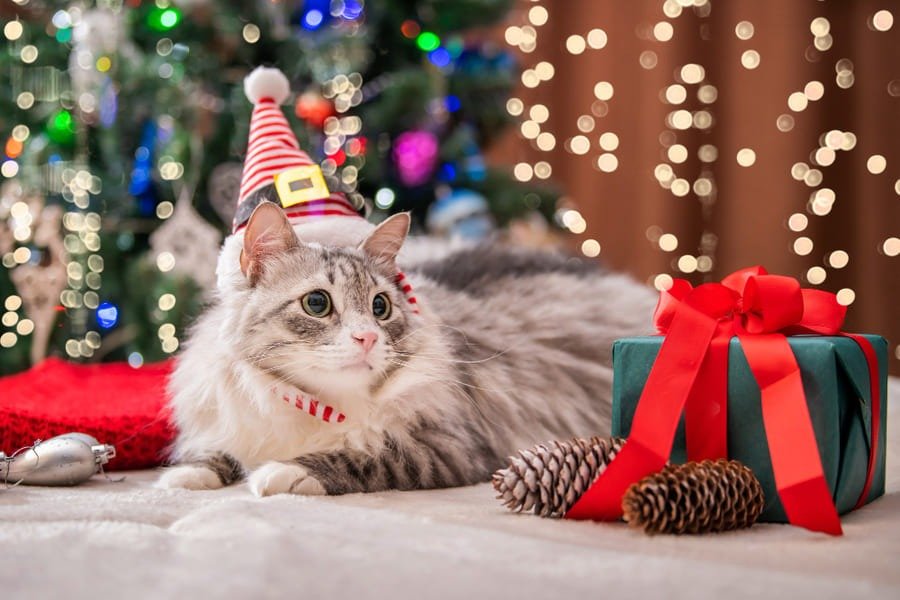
{"type": "Point", "coordinates": [690, 374]}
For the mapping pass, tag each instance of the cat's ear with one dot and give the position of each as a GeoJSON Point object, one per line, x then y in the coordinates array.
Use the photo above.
{"type": "Point", "coordinates": [384, 243]}
{"type": "Point", "coordinates": [268, 234]}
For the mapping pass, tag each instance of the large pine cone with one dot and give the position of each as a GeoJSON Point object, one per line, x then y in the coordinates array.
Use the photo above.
{"type": "Point", "coordinates": [549, 478]}
{"type": "Point", "coordinates": [696, 497]}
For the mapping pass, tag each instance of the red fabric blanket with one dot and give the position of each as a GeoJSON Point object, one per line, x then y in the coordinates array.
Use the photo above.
{"type": "Point", "coordinates": [115, 403]}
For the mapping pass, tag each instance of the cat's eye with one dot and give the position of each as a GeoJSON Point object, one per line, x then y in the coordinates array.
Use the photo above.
{"type": "Point", "coordinates": [381, 307]}
{"type": "Point", "coordinates": [316, 303]}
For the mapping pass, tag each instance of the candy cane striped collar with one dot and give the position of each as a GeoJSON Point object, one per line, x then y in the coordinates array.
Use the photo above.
{"type": "Point", "coordinates": [407, 290]}
{"type": "Point", "coordinates": [312, 406]}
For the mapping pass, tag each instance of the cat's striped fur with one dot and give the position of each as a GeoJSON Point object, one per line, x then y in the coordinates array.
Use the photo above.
{"type": "Point", "coordinates": [511, 348]}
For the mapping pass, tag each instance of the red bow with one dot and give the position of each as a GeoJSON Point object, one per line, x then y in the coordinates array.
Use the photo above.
{"type": "Point", "coordinates": [690, 374]}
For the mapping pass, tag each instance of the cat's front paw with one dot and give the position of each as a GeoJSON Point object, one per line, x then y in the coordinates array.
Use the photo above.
{"type": "Point", "coordinates": [189, 477]}
{"type": "Point", "coordinates": [284, 478]}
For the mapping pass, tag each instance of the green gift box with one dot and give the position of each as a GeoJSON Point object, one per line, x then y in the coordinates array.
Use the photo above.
{"type": "Point", "coordinates": [836, 385]}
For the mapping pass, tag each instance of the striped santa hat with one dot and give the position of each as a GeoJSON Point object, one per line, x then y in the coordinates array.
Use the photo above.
{"type": "Point", "coordinates": [275, 167]}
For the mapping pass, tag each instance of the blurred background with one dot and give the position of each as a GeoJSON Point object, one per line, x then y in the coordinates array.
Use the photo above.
{"type": "Point", "coordinates": [665, 138]}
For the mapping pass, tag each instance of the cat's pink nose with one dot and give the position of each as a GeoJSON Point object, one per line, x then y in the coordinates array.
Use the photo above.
{"type": "Point", "coordinates": [366, 339]}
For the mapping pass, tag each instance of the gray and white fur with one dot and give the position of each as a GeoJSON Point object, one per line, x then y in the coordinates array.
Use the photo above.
{"type": "Point", "coordinates": [512, 347]}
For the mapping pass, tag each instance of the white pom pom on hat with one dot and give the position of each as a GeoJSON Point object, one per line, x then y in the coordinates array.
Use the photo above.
{"type": "Point", "coordinates": [264, 82]}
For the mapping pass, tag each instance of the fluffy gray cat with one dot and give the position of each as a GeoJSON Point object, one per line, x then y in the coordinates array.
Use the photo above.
{"type": "Point", "coordinates": [313, 373]}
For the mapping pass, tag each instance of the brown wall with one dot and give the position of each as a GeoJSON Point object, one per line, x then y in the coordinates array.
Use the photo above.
{"type": "Point", "coordinates": [748, 211]}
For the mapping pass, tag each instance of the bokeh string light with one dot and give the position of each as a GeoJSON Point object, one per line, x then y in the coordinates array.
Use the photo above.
{"type": "Point", "coordinates": [692, 100]}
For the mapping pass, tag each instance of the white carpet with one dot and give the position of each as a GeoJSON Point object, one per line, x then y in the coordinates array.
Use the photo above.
{"type": "Point", "coordinates": [129, 540]}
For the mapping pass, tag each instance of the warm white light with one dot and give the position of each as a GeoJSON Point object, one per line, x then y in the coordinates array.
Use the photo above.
{"type": "Point", "coordinates": [668, 242]}
{"type": "Point", "coordinates": [692, 73]}
{"type": "Point", "coordinates": [876, 164]}
{"type": "Point", "coordinates": [603, 90]}
{"type": "Point", "coordinates": [575, 44]}
{"type": "Point", "coordinates": [746, 157]}
{"type": "Point", "coordinates": [609, 141]}
{"type": "Point", "coordinates": [803, 246]}
{"type": "Point", "coordinates": [590, 248]}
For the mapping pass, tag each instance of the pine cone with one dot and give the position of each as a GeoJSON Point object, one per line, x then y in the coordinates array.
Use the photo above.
{"type": "Point", "coordinates": [549, 478]}
{"type": "Point", "coordinates": [696, 497]}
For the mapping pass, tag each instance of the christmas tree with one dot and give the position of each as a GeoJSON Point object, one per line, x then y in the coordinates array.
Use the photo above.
{"type": "Point", "coordinates": [124, 124]}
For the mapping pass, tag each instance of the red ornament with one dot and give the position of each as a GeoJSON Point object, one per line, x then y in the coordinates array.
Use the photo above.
{"type": "Point", "coordinates": [313, 108]}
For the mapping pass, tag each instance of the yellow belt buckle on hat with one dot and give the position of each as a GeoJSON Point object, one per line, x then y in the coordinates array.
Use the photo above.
{"type": "Point", "coordinates": [301, 184]}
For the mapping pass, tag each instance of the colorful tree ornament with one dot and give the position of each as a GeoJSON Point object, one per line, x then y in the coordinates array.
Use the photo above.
{"type": "Point", "coordinates": [415, 155]}
{"type": "Point", "coordinates": [461, 214]}
{"type": "Point", "coordinates": [61, 128]}
{"type": "Point", "coordinates": [163, 19]}
{"type": "Point", "coordinates": [313, 108]}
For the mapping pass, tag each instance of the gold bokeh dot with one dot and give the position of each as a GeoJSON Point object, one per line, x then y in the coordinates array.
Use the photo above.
{"type": "Point", "coordinates": [883, 20]}
{"type": "Point", "coordinates": [846, 296]}
{"type": "Point", "coordinates": [681, 187]}
{"type": "Point", "coordinates": [784, 122]}
{"type": "Point", "coordinates": [663, 31]}
{"type": "Point", "coordinates": [648, 59]}
{"type": "Point", "coordinates": [523, 171]}
{"type": "Point", "coordinates": [8, 339]}
{"type": "Point", "coordinates": [663, 281]}
{"type": "Point", "coordinates": [891, 246]}
{"type": "Point", "coordinates": [816, 275]}
{"type": "Point", "coordinates": [609, 141]}
{"type": "Point", "coordinates": [675, 94]}
{"type": "Point", "coordinates": [668, 242]}
{"type": "Point", "coordinates": [819, 26]}
{"type": "Point", "coordinates": [575, 44]}
{"type": "Point", "coordinates": [515, 106]}
{"type": "Point", "coordinates": [590, 248]}
{"type": "Point", "coordinates": [579, 144]}
{"type": "Point", "coordinates": [838, 259]}
{"type": "Point", "coordinates": [166, 302]}
{"type": "Point", "coordinates": [744, 30]}
{"type": "Point", "coordinates": [746, 157]}
{"type": "Point", "coordinates": [707, 94]}
{"type": "Point", "coordinates": [596, 39]}
{"type": "Point", "coordinates": [677, 153]}
{"type": "Point", "coordinates": [542, 169]}
{"type": "Point", "coordinates": [797, 101]}
{"type": "Point", "coordinates": [165, 261]}
{"type": "Point", "coordinates": [813, 177]}
{"type": "Point", "coordinates": [803, 246]}
{"type": "Point", "coordinates": [814, 90]}
{"type": "Point", "coordinates": [824, 157]}
{"type": "Point", "coordinates": [876, 164]}
{"type": "Point", "coordinates": [692, 73]}
{"type": "Point", "coordinates": [607, 162]}
{"type": "Point", "coordinates": [530, 129]}
{"type": "Point", "coordinates": [25, 327]}
{"type": "Point", "coordinates": [603, 90]}
{"type": "Point", "coordinates": [708, 153]}
{"type": "Point", "coordinates": [750, 59]}
{"type": "Point", "coordinates": [546, 141]}
{"type": "Point", "coordinates": [539, 113]}
{"type": "Point", "coordinates": [538, 15]}
{"type": "Point", "coordinates": [12, 302]}
{"type": "Point", "coordinates": [687, 263]}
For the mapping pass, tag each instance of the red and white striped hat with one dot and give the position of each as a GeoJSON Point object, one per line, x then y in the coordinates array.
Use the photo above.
{"type": "Point", "coordinates": [275, 167]}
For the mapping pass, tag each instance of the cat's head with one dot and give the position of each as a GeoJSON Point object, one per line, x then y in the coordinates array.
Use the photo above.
{"type": "Point", "coordinates": [328, 320]}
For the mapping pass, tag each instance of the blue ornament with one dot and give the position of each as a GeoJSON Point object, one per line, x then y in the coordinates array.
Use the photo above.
{"type": "Point", "coordinates": [313, 14]}
{"type": "Point", "coordinates": [107, 315]}
{"type": "Point", "coordinates": [461, 213]}
{"type": "Point", "coordinates": [141, 183]}
{"type": "Point", "coordinates": [439, 57]}
{"type": "Point", "coordinates": [452, 103]}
